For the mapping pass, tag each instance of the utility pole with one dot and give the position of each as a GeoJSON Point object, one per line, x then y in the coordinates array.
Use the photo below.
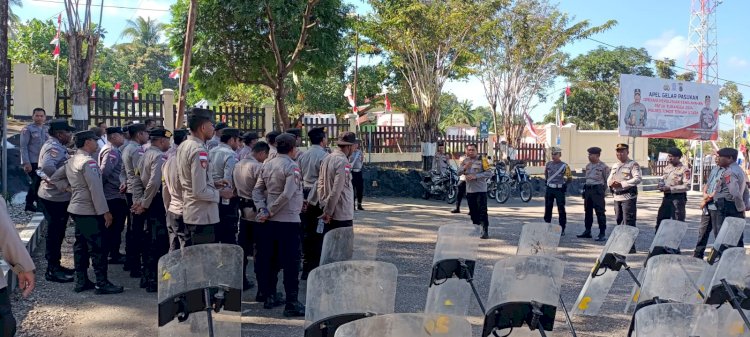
{"type": "Point", "coordinates": [5, 87]}
{"type": "Point", "coordinates": [187, 55]}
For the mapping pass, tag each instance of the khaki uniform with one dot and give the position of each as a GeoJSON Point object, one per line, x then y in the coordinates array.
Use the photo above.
{"type": "Point", "coordinates": [131, 158]}
{"type": "Point", "coordinates": [87, 197]}
{"type": "Point", "coordinates": [110, 162]}
{"type": "Point", "coordinates": [281, 181]}
{"type": "Point", "coordinates": [271, 153]}
{"type": "Point", "coordinates": [200, 196]}
{"type": "Point", "coordinates": [594, 191]}
{"type": "Point", "coordinates": [212, 143]}
{"type": "Point", "coordinates": [222, 160]}
{"type": "Point", "coordinates": [172, 189]}
{"type": "Point", "coordinates": [557, 174]}
{"type": "Point", "coordinates": [244, 152]}
{"type": "Point", "coordinates": [626, 197]}
{"type": "Point", "coordinates": [14, 251]}
{"type": "Point", "coordinates": [335, 187]}
{"type": "Point", "coordinates": [480, 167]}
{"type": "Point", "coordinates": [52, 156]}
{"type": "Point", "coordinates": [440, 163]}
{"type": "Point", "coordinates": [309, 163]}
{"type": "Point", "coordinates": [677, 178]}
{"type": "Point", "coordinates": [151, 173]}
{"type": "Point", "coordinates": [731, 187]}
{"type": "Point", "coordinates": [597, 174]}
{"type": "Point", "coordinates": [635, 118]}
{"type": "Point", "coordinates": [33, 138]}
{"type": "Point", "coordinates": [246, 175]}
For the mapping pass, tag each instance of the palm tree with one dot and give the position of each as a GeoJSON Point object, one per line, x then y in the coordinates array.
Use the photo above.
{"type": "Point", "coordinates": [13, 17]}
{"type": "Point", "coordinates": [143, 32]}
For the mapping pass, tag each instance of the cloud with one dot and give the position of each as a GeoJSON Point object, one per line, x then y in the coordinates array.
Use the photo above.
{"type": "Point", "coordinates": [738, 62]}
{"type": "Point", "coordinates": [668, 45]}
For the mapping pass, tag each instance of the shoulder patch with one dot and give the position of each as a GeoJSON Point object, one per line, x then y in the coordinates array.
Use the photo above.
{"type": "Point", "coordinates": [25, 129]}
{"type": "Point", "coordinates": [348, 168]}
{"type": "Point", "coordinates": [141, 150]}
{"type": "Point", "coordinates": [54, 153]}
{"type": "Point", "coordinates": [203, 157]}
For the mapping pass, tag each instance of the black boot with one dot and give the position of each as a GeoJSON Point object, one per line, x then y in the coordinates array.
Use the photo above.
{"type": "Point", "coordinates": [632, 250]}
{"type": "Point", "coordinates": [294, 309]}
{"type": "Point", "coordinates": [456, 210]}
{"type": "Point", "coordinates": [55, 274]}
{"type": "Point", "coordinates": [562, 232]}
{"type": "Point", "coordinates": [106, 288]}
{"type": "Point", "coordinates": [485, 232]}
{"type": "Point", "coordinates": [601, 237]}
{"type": "Point", "coordinates": [151, 287]}
{"type": "Point", "coordinates": [67, 271]}
{"type": "Point", "coordinates": [359, 207]}
{"type": "Point", "coordinates": [83, 283]}
{"type": "Point", "coordinates": [585, 235]}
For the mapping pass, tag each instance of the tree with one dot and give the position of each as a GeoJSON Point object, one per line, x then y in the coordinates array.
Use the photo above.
{"type": "Point", "coordinates": [732, 101]}
{"type": "Point", "coordinates": [143, 32]}
{"type": "Point", "coordinates": [664, 69]}
{"type": "Point", "coordinates": [521, 56]}
{"type": "Point", "coordinates": [429, 43]}
{"type": "Point", "coordinates": [260, 43]}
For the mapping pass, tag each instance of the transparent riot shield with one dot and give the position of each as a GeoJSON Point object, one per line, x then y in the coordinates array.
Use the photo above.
{"type": "Point", "coordinates": [539, 238]}
{"type": "Point", "coordinates": [524, 294]}
{"type": "Point", "coordinates": [671, 278]}
{"type": "Point", "coordinates": [732, 273]}
{"type": "Point", "coordinates": [350, 243]}
{"type": "Point", "coordinates": [731, 323]}
{"type": "Point", "coordinates": [728, 237]}
{"type": "Point", "coordinates": [451, 297]}
{"type": "Point", "coordinates": [666, 241]}
{"type": "Point", "coordinates": [455, 253]}
{"type": "Point", "coordinates": [341, 292]}
{"type": "Point", "coordinates": [603, 274]}
{"type": "Point", "coordinates": [704, 281]}
{"type": "Point", "coordinates": [676, 320]}
{"type": "Point", "coordinates": [200, 291]}
{"type": "Point", "coordinates": [407, 325]}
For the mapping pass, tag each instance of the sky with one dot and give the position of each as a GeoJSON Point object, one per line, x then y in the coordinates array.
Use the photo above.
{"type": "Point", "coordinates": [659, 26]}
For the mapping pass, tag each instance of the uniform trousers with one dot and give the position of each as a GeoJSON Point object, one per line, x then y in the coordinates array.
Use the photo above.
{"type": "Point", "coordinates": [461, 193]}
{"type": "Point", "coordinates": [672, 207]}
{"type": "Point", "coordinates": [312, 241]}
{"type": "Point", "coordinates": [199, 234]}
{"type": "Point", "coordinates": [118, 207]}
{"type": "Point", "coordinates": [358, 184]}
{"type": "Point", "coordinates": [726, 209]}
{"type": "Point", "coordinates": [56, 215]}
{"type": "Point", "coordinates": [31, 195]}
{"type": "Point", "coordinates": [478, 208]}
{"type": "Point", "coordinates": [593, 200]}
{"type": "Point", "coordinates": [625, 211]}
{"type": "Point", "coordinates": [135, 245]}
{"type": "Point", "coordinates": [89, 244]}
{"type": "Point", "coordinates": [156, 233]}
{"type": "Point", "coordinates": [704, 232]}
{"type": "Point", "coordinates": [175, 230]}
{"type": "Point", "coordinates": [246, 240]}
{"type": "Point", "coordinates": [226, 231]}
{"type": "Point", "coordinates": [278, 241]}
{"type": "Point", "coordinates": [7, 321]}
{"type": "Point", "coordinates": [552, 196]}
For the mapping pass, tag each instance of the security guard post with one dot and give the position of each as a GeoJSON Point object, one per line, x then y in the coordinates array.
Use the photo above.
{"type": "Point", "coordinates": [216, 139]}
{"type": "Point", "coordinates": [271, 140]}
{"type": "Point", "coordinates": [131, 158]}
{"type": "Point", "coordinates": [200, 196]}
{"type": "Point", "coordinates": [172, 194]}
{"type": "Point", "coordinates": [729, 199]}
{"type": "Point", "coordinates": [52, 156]}
{"type": "Point", "coordinates": [33, 137]}
{"type": "Point", "coordinates": [675, 184]}
{"type": "Point", "coordinates": [358, 182]}
{"type": "Point", "coordinates": [309, 163]}
{"type": "Point", "coordinates": [708, 209]}
{"type": "Point", "coordinates": [278, 233]}
{"type": "Point", "coordinates": [245, 175]}
{"type": "Point", "coordinates": [88, 208]}
{"type": "Point", "coordinates": [152, 204]}
{"type": "Point", "coordinates": [249, 139]}
{"type": "Point", "coordinates": [593, 194]}
{"type": "Point", "coordinates": [557, 174]}
{"type": "Point", "coordinates": [623, 180]}
{"type": "Point", "coordinates": [222, 160]}
{"type": "Point", "coordinates": [110, 164]}
{"type": "Point", "coordinates": [477, 170]}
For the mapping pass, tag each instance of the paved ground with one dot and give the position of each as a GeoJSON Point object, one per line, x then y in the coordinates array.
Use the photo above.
{"type": "Point", "coordinates": [409, 228]}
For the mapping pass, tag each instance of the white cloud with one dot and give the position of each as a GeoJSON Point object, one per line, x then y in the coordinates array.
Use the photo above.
{"type": "Point", "coordinates": [668, 45]}
{"type": "Point", "coordinates": [738, 62]}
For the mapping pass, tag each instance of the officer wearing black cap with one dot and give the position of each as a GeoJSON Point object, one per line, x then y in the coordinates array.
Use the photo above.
{"type": "Point", "coordinates": [635, 115]}
{"type": "Point", "coordinates": [131, 159]}
{"type": "Point", "coordinates": [730, 190]}
{"type": "Point", "coordinates": [248, 139]}
{"type": "Point", "coordinates": [110, 164]}
{"type": "Point", "coordinates": [309, 163]}
{"type": "Point", "coordinates": [593, 194]}
{"type": "Point", "coordinates": [675, 183]}
{"type": "Point", "coordinates": [52, 156]}
{"type": "Point", "coordinates": [623, 180]}
{"type": "Point", "coordinates": [440, 161]}
{"type": "Point", "coordinates": [216, 139]}
{"type": "Point", "coordinates": [271, 140]}
{"type": "Point", "coordinates": [89, 210]}
{"type": "Point", "coordinates": [222, 160]}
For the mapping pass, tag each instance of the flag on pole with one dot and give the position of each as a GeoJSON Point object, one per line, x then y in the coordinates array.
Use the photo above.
{"type": "Point", "coordinates": [567, 93]}
{"type": "Point", "coordinates": [387, 104]}
{"type": "Point", "coordinates": [93, 89]}
{"type": "Point", "coordinates": [56, 40]}
{"type": "Point", "coordinates": [135, 91]}
{"type": "Point", "coordinates": [116, 95]}
{"type": "Point", "coordinates": [530, 125]}
{"type": "Point", "coordinates": [350, 98]}
{"type": "Point", "coordinates": [175, 74]}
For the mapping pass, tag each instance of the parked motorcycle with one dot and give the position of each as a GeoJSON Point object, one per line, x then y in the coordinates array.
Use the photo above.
{"type": "Point", "coordinates": [516, 181]}
{"type": "Point", "coordinates": [445, 187]}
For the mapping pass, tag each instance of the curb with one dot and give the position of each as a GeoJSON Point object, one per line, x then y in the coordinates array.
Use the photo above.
{"type": "Point", "coordinates": [30, 238]}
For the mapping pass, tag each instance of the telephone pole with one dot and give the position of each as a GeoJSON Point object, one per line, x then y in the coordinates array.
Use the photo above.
{"type": "Point", "coordinates": [186, 56]}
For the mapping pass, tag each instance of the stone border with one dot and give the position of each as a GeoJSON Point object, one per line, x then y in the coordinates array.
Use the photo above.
{"type": "Point", "coordinates": [30, 237]}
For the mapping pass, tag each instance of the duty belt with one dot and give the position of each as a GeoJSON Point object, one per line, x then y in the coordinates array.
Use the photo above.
{"type": "Point", "coordinates": [555, 185]}
{"type": "Point", "coordinates": [248, 203]}
{"type": "Point", "coordinates": [591, 186]}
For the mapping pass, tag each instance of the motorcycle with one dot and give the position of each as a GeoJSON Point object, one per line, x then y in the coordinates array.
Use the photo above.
{"type": "Point", "coordinates": [443, 186]}
{"type": "Point", "coordinates": [516, 181]}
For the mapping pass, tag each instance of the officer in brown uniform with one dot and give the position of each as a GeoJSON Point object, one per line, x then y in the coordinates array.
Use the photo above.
{"type": "Point", "coordinates": [89, 210]}
{"type": "Point", "coordinates": [729, 195]}
{"type": "Point", "coordinates": [557, 176]}
{"type": "Point", "coordinates": [110, 163]}
{"type": "Point", "coordinates": [594, 190]}
{"type": "Point", "coordinates": [222, 160]}
{"type": "Point", "coordinates": [200, 195]}
{"type": "Point", "coordinates": [245, 176]}
{"type": "Point", "coordinates": [15, 253]}
{"type": "Point", "coordinates": [271, 140]}
{"type": "Point", "coordinates": [131, 158]}
{"type": "Point", "coordinates": [33, 137]}
{"type": "Point", "coordinates": [309, 162]}
{"type": "Point", "coordinates": [477, 170]}
{"type": "Point", "coordinates": [172, 195]}
{"type": "Point", "coordinates": [278, 196]}
{"type": "Point", "coordinates": [623, 180]}
{"type": "Point", "coordinates": [249, 139]}
{"type": "Point", "coordinates": [335, 184]}
{"type": "Point", "coordinates": [675, 183]}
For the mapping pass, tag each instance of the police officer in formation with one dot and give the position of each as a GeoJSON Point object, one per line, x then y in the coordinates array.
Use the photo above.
{"type": "Point", "coordinates": [729, 195]}
{"type": "Point", "coordinates": [33, 136]}
{"type": "Point", "coordinates": [557, 175]}
{"type": "Point", "coordinates": [477, 170]}
{"type": "Point", "coordinates": [248, 139]}
{"type": "Point", "coordinates": [110, 164]}
{"type": "Point", "coordinates": [675, 183]}
{"type": "Point", "coordinates": [271, 140]}
{"type": "Point", "coordinates": [334, 186]}
{"type": "Point", "coordinates": [222, 160]}
{"type": "Point", "coordinates": [310, 163]}
{"type": "Point", "coordinates": [172, 194]}
{"type": "Point", "coordinates": [358, 182]}
{"type": "Point", "coordinates": [216, 138]}
{"type": "Point", "coordinates": [708, 208]}
{"type": "Point", "coordinates": [131, 158]}
{"type": "Point", "coordinates": [594, 190]}
{"type": "Point", "coordinates": [623, 180]}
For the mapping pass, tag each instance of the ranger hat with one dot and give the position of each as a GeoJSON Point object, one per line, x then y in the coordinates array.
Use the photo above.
{"type": "Point", "coordinates": [622, 146]}
{"type": "Point", "coordinates": [231, 132]}
{"type": "Point", "coordinates": [159, 133]}
{"type": "Point", "coordinates": [594, 150]}
{"type": "Point", "coordinates": [295, 131]}
{"type": "Point", "coordinates": [675, 152]}
{"type": "Point", "coordinates": [347, 138]}
{"type": "Point", "coordinates": [115, 129]}
{"type": "Point", "coordinates": [60, 124]}
{"type": "Point", "coordinates": [250, 136]}
{"type": "Point", "coordinates": [84, 135]}
{"type": "Point", "coordinates": [221, 126]}
{"type": "Point", "coordinates": [728, 152]}
{"type": "Point", "coordinates": [316, 132]}
{"type": "Point", "coordinates": [555, 149]}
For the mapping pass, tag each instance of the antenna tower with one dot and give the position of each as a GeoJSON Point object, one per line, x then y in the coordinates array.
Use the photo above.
{"type": "Point", "coordinates": [702, 56]}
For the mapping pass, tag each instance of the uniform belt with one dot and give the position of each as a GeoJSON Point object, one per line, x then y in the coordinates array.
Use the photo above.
{"type": "Point", "coordinates": [592, 185]}
{"type": "Point", "coordinates": [356, 170]}
{"type": "Point", "coordinates": [555, 185]}
{"type": "Point", "coordinates": [675, 194]}
{"type": "Point", "coordinates": [247, 203]}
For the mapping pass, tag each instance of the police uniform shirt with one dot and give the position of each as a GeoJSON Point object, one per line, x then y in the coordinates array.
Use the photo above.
{"type": "Point", "coordinates": [677, 178]}
{"type": "Point", "coordinates": [479, 167]}
{"type": "Point", "coordinates": [628, 174]}
{"type": "Point", "coordinates": [150, 169]}
{"type": "Point", "coordinates": [335, 187]}
{"type": "Point", "coordinates": [172, 190]}
{"type": "Point", "coordinates": [636, 115]}
{"type": "Point", "coordinates": [732, 186]}
{"type": "Point", "coordinates": [279, 189]}
{"type": "Point", "coordinates": [14, 250]}
{"type": "Point", "coordinates": [110, 164]}
{"type": "Point", "coordinates": [356, 160]}
{"type": "Point", "coordinates": [244, 152]}
{"type": "Point", "coordinates": [32, 139]}
{"type": "Point", "coordinates": [309, 163]}
{"type": "Point", "coordinates": [222, 160]}
{"type": "Point", "coordinates": [199, 195]}
{"type": "Point", "coordinates": [596, 173]}
{"type": "Point", "coordinates": [87, 196]}
{"type": "Point", "coordinates": [245, 176]}
{"type": "Point", "coordinates": [271, 153]}
{"type": "Point", "coordinates": [212, 143]}
{"type": "Point", "coordinates": [171, 152]}
{"type": "Point", "coordinates": [563, 173]}
{"type": "Point", "coordinates": [52, 157]}
{"type": "Point", "coordinates": [440, 162]}
{"type": "Point", "coordinates": [131, 159]}
{"type": "Point", "coordinates": [713, 179]}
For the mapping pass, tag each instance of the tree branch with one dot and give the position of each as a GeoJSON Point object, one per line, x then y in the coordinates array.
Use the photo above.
{"type": "Point", "coordinates": [306, 26]}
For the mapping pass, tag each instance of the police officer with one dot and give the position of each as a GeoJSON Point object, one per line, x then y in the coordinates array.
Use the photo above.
{"type": "Point", "coordinates": [245, 176]}
{"type": "Point", "coordinates": [110, 164]}
{"type": "Point", "coordinates": [557, 175]}
{"type": "Point", "coordinates": [52, 156]}
{"type": "Point", "coordinates": [440, 161]}
{"type": "Point", "coordinates": [477, 170]}
{"type": "Point", "coordinates": [461, 189]}
{"type": "Point", "coordinates": [358, 182]}
{"type": "Point", "coordinates": [593, 194]}
{"type": "Point", "coordinates": [15, 253]}
{"type": "Point", "coordinates": [200, 196]}
{"type": "Point", "coordinates": [623, 180]}
{"type": "Point", "coordinates": [635, 115]}
{"type": "Point", "coordinates": [334, 184]}
{"type": "Point", "coordinates": [708, 208]}
{"type": "Point", "coordinates": [675, 184]}
{"type": "Point", "coordinates": [271, 140]}
{"type": "Point", "coordinates": [222, 160]}
{"type": "Point", "coordinates": [298, 136]}
{"type": "Point", "coordinates": [88, 208]}
{"type": "Point", "coordinates": [278, 233]}
{"type": "Point", "coordinates": [216, 139]}
{"type": "Point", "coordinates": [172, 194]}
{"type": "Point", "coordinates": [131, 158]}
{"type": "Point", "coordinates": [152, 204]}
{"type": "Point", "coordinates": [728, 197]}
{"type": "Point", "coordinates": [249, 139]}
{"type": "Point", "coordinates": [33, 137]}
{"type": "Point", "coordinates": [309, 163]}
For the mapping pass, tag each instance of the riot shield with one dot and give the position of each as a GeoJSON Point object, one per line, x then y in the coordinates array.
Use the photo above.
{"type": "Point", "coordinates": [732, 277]}
{"type": "Point", "coordinates": [600, 280]}
{"type": "Point", "coordinates": [450, 297]}
{"type": "Point", "coordinates": [200, 291]}
{"type": "Point", "coordinates": [407, 325]}
{"type": "Point", "coordinates": [704, 281]}
{"type": "Point", "coordinates": [341, 292]}
{"type": "Point", "coordinates": [524, 295]}
{"type": "Point", "coordinates": [350, 243]}
{"type": "Point", "coordinates": [671, 278]}
{"type": "Point", "coordinates": [728, 237]}
{"type": "Point", "coordinates": [676, 320]}
{"type": "Point", "coordinates": [455, 253]}
{"type": "Point", "coordinates": [731, 323]}
{"type": "Point", "coordinates": [666, 241]}
{"type": "Point", "coordinates": [539, 238]}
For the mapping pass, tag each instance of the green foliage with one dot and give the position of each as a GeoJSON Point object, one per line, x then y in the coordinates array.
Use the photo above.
{"type": "Point", "coordinates": [143, 32]}
{"type": "Point", "coordinates": [656, 145]}
{"type": "Point", "coordinates": [665, 69]}
{"type": "Point", "coordinates": [31, 46]}
{"type": "Point", "coordinates": [455, 112]}
{"type": "Point", "coordinates": [732, 101]}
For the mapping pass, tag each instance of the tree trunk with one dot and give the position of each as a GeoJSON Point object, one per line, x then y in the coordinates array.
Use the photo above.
{"type": "Point", "coordinates": [282, 114]}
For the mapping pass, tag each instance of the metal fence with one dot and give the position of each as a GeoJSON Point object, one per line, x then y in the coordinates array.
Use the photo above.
{"type": "Point", "coordinates": [114, 109]}
{"type": "Point", "coordinates": [389, 139]}
{"type": "Point", "coordinates": [332, 126]}
{"type": "Point", "coordinates": [243, 118]}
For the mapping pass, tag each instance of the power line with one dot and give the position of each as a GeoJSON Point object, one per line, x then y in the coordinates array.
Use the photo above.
{"type": "Point", "coordinates": [109, 6]}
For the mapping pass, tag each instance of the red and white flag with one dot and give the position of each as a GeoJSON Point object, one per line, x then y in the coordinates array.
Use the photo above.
{"type": "Point", "coordinates": [116, 95]}
{"type": "Point", "coordinates": [530, 125]}
{"type": "Point", "coordinates": [350, 98]}
{"type": "Point", "coordinates": [387, 104]}
{"type": "Point", "coordinates": [567, 93]}
{"type": "Point", "coordinates": [93, 89]}
{"type": "Point", "coordinates": [56, 40]}
{"type": "Point", "coordinates": [135, 91]}
{"type": "Point", "coordinates": [175, 74]}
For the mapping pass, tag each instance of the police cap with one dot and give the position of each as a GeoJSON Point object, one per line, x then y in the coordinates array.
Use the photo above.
{"type": "Point", "coordinates": [115, 129]}
{"type": "Point", "coordinates": [250, 136]}
{"type": "Point", "coordinates": [728, 152]}
{"type": "Point", "coordinates": [637, 92]}
{"type": "Point", "coordinates": [555, 149]}
{"type": "Point", "coordinates": [271, 136]}
{"type": "Point", "coordinates": [221, 126]}
{"type": "Point", "coordinates": [622, 146]}
{"type": "Point", "coordinates": [347, 138]}
{"type": "Point", "coordinates": [231, 132]}
{"type": "Point", "coordinates": [60, 125]}
{"type": "Point", "coordinates": [180, 133]}
{"type": "Point", "coordinates": [200, 113]}
{"type": "Point", "coordinates": [594, 150]}
{"type": "Point", "coordinates": [295, 131]}
{"type": "Point", "coordinates": [285, 142]}
{"type": "Point", "coordinates": [84, 135]}
{"type": "Point", "coordinates": [675, 152]}
{"type": "Point", "coordinates": [316, 132]}
{"type": "Point", "coordinates": [135, 128]}
{"type": "Point", "coordinates": [159, 133]}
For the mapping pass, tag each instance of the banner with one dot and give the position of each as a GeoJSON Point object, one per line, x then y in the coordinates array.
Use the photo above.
{"type": "Point", "coordinates": [663, 108]}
